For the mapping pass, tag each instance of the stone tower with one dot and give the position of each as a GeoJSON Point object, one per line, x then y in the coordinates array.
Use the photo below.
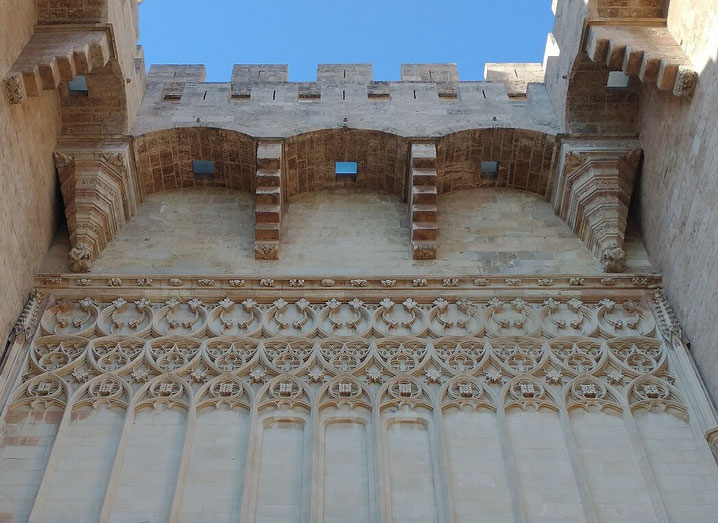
{"type": "Point", "coordinates": [355, 300]}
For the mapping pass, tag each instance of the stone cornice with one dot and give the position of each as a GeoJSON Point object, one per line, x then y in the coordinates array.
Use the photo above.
{"type": "Point", "coordinates": [213, 285]}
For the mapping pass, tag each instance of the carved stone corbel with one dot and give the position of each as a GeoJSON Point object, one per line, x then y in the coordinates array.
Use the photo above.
{"type": "Point", "coordinates": [100, 195]}
{"type": "Point", "coordinates": [593, 192]}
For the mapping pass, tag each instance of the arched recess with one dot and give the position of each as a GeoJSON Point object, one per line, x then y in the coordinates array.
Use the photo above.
{"type": "Point", "coordinates": [381, 158]}
{"type": "Point", "coordinates": [525, 160]}
{"type": "Point", "coordinates": [102, 186]}
{"type": "Point", "coordinates": [309, 164]}
{"type": "Point", "coordinates": [164, 159]}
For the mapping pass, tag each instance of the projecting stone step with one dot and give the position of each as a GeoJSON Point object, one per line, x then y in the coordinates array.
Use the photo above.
{"type": "Point", "coordinates": [269, 178]}
{"type": "Point", "coordinates": [423, 213]}
{"type": "Point", "coordinates": [424, 177]}
{"type": "Point", "coordinates": [268, 164]}
{"type": "Point", "coordinates": [424, 162]}
{"type": "Point", "coordinates": [267, 232]}
{"type": "Point", "coordinates": [269, 195]}
{"type": "Point", "coordinates": [52, 56]}
{"type": "Point", "coordinates": [650, 53]}
{"type": "Point", "coordinates": [268, 213]}
{"type": "Point", "coordinates": [423, 195]}
{"type": "Point", "coordinates": [423, 232]}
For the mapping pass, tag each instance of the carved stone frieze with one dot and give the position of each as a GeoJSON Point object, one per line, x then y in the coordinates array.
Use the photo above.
{"type": "Point", "coordinates": [617, 283]}
{"type": "Point", "coordinates": [493, 341]}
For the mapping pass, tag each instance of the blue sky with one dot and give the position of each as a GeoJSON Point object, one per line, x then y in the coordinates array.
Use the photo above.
{"type": "Point", "coordinates": [220, 33]}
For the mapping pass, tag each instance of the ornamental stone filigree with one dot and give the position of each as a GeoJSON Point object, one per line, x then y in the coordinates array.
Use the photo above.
{"type": "Point", "coordinates": [29, 318]}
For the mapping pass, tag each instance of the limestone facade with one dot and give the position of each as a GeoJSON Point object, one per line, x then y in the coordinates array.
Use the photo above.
{"type": "Point", "coordinates": [475, 326]}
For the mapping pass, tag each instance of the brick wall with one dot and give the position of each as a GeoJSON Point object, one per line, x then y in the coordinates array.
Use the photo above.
{"type": "Point", "coordinates": [381, 159]}
{"type": "Point", "coordinates": [164, 159]}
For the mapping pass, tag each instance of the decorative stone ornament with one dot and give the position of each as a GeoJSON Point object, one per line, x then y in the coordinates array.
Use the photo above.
{"type": "Point", "coordinates": [80, 258]}
{"type": "Point", "coordinates": [593, 192]}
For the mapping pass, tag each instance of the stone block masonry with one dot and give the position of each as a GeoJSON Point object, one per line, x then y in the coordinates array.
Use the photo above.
{"type": "Point", "coordinates": [325, 406]}
{"type": "Point", "coordinates": [240, 333]}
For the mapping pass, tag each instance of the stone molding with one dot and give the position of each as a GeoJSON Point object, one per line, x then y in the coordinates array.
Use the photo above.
{"type": "Point", "coordinates": [215, 285]}
{"type": "Point", "coordinates": [592, 195]}
{"type": "Point", "coordinates": [686, 370]}
{"type": "Point", "coordinates": [26, 325]}
{"type": "Point", "coordinates": [100, 193]}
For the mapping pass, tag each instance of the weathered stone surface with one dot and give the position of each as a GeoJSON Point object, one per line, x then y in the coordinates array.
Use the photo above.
{"type": "Point", "coordinates": [436, 341]}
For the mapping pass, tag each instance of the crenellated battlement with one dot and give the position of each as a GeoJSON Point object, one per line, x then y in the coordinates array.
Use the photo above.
{"type": "Point", "coordinates": [260, 100]}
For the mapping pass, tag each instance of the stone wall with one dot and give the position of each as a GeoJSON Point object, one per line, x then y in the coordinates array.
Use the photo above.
{"type": "Point", "coordinates": [678, 192]}
{"type": "Point", "coordinates": [482, 409]}
{"type": "Point", "coordinates": [260, 102]}
{"type": "Point", "coordinates": [28, 133]}
{"type": "Point", "coordinates": [525, 160]}
{"type": "Point", "coordinates": [353, 233]}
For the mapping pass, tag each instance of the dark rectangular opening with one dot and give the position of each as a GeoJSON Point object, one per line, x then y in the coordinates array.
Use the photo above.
{"type": "Point", "coordinates": [203, 168]}
{"type": "Point", "coordinates": [78, 86]}
{"type": "Point", "coordinates": [490, 170]}
{"type": "Point", "coordinates": [346, 171]}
